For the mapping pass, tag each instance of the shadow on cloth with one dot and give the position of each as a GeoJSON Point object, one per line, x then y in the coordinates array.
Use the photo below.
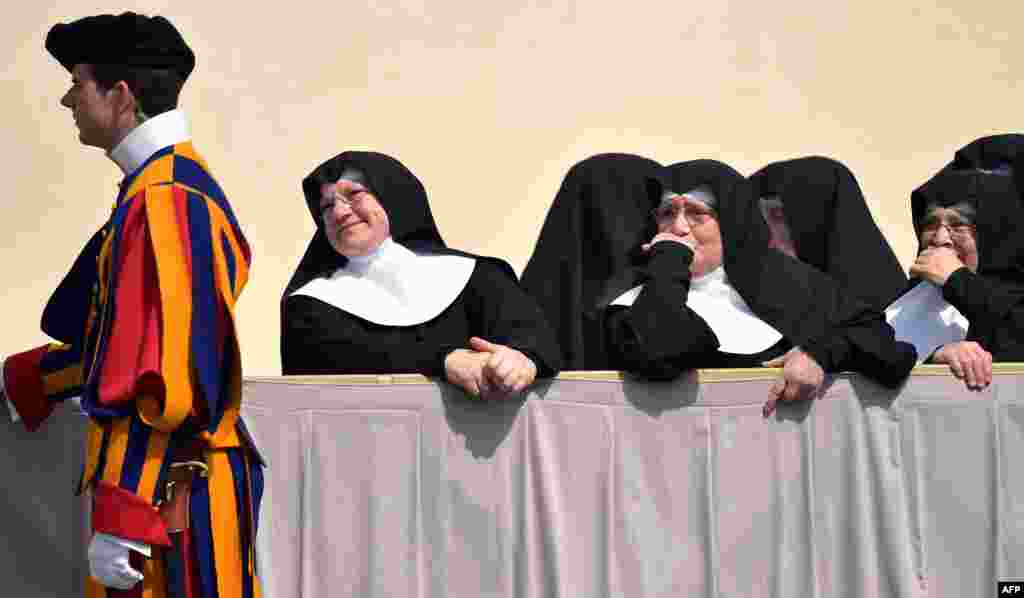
{"type": "Point", "coordinates": [655, 398]}
{"type": "Point", "coordinates": [483, 434]}
{"type": "Point", "coordinates": [873, 394]}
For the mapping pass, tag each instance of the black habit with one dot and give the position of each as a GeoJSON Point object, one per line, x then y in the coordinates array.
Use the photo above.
{"type": "Point", "coordinates": [319, 338]}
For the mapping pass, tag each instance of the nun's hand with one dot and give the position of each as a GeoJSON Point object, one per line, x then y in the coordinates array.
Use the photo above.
{"type": "Point", "coordinates": [936, 264]}
{"type": "Point", "coordinates": [968, 361]}
{"type": "Point", "coordinates": [801, 378]}
{"type": "Point", "coordinates": [667, 236]}
{"type": "Point", "coordinates": [465, 369]}
{"type": "Point", "coordinates": [508, 371]}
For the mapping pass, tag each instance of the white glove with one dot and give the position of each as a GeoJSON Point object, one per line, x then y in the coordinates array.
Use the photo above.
{"type": "Point", "coordinates": [3, 395]}
{"type": "Point", "coordinates": [108, 561]}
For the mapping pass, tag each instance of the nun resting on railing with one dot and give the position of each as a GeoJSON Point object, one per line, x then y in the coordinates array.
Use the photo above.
{"type": "Point", "coordinates": [660, 271]}
{"type": "Point", "coordinates": [966, 305]}
{"type": "Point", "coordinates": [378, 291]}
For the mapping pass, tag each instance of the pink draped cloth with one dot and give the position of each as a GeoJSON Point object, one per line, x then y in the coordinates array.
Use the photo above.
{"type": "Point", "coordinates": [606, 487]}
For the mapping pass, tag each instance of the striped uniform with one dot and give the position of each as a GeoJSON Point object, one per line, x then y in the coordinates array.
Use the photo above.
{"type": "Point", "coordinates": [148, 341]}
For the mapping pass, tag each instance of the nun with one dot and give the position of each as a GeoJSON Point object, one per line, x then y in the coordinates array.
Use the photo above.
{"type": "Point", "coordinates": [969, 271]}
{"type": "Point", "coordinates": [586, 254]}
{"type": "Point", "coordinates": [684, 314]}
{"type": "Point", "coordinates": [816, 212]}
{"type": "Point", "coordinates": [379, 292]}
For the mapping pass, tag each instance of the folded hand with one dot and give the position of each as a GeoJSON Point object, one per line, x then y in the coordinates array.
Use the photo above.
{"type": "Point", "coordinates": [507, 370]}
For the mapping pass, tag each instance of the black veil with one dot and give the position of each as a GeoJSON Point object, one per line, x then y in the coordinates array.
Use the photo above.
{"type": "Point", "coordinates": [587, 250]}
{"type": "Point", "coordinates": [832, 227]}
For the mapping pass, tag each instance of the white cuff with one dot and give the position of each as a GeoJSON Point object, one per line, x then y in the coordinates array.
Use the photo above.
{"type": "Point", "coordinates": [14, 412]}
{"type": "Point", "coordinates": [3, 393]}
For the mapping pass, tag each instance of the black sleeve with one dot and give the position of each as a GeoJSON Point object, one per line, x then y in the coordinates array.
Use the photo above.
{"type": "Point", "coordinates": [995, 310]}
{"type": "Point", "coordinates": [659, 337]}
{"type": "Point", "coordinates": [982, 297]}
{"type": "Point", "coordinates": [868, 347]}
{"type": "Point", "coordinates": [501, 312]}
{"type": "Point", "coordinates": [317, 338]}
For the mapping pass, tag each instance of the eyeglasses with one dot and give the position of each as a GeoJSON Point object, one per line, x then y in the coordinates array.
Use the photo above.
{"type": "Point", "coordinates": [695, 214]}
{"type": "Point", "coordinates": [350, 196]}
{"type": "Point", "coordinates": [958, 231]}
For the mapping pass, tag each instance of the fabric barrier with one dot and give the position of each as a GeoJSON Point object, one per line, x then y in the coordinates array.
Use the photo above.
{"type": "Point", "coordinates": [595, 486]}
{"type": "Point", "coordinates": [609, 487]}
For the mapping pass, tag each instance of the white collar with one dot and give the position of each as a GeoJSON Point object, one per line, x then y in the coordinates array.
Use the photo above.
{"type": "Point", "coordinates": [736, 326]}
{"type": "Point", "coordinates": [394, 286]}
{"type": "Point", "coordinates": [165, 129]}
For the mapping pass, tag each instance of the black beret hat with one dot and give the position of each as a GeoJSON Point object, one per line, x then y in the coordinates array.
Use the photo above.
{"type": "Point", "coordinates": [129, 39]}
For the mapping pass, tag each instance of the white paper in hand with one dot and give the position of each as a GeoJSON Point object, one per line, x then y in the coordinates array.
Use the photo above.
{"type": "Point", "coordinates": [924, 319]}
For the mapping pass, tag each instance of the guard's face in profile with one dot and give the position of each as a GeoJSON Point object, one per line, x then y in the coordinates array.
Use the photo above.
{"type": "Point", "coordinates": [697, 224]}
{"type": "Point", "coordinates": [94, 110]}
{"type": "Point", "coordinates": [775, 217]}
{"type": "Point", "coordinates": [950, 227]}
{"type": "Point", "coordinates": [354, 221]}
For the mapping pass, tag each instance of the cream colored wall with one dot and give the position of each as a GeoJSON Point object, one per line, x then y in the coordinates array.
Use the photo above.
{"type": "Point", "coordinates": [490, 103]}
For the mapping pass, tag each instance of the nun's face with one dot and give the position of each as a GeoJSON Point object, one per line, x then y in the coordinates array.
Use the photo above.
{"type": "Point", "coordinates": [354, 221]}
{"type": "Point", "coordinates": [775, 217]}
{"type": "Point", "coordinates": [697, 225]}
{"type": "Point", "coordinates": [948, 227]}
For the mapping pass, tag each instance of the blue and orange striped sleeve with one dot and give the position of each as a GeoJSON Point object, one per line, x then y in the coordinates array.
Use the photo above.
{"type": "Point", "coordinates": [168, 352]}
